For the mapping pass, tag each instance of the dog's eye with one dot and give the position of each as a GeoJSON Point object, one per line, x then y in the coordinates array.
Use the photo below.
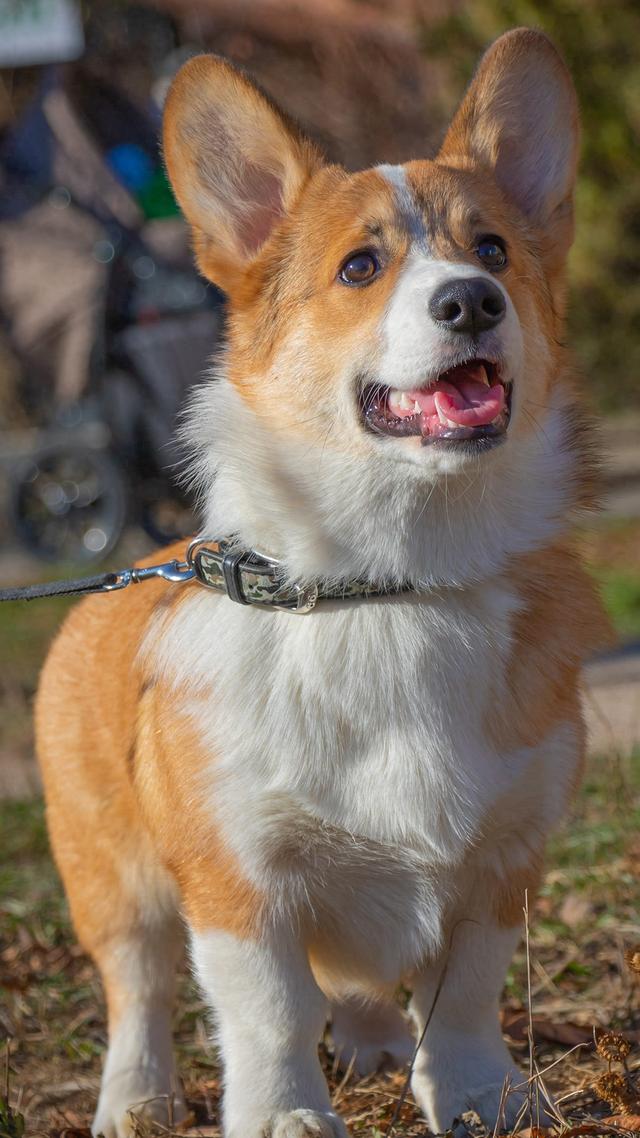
{"type": "Point", "coordinates": [359, 269]}
{"type": "Point", "coordinates": [492, 252]}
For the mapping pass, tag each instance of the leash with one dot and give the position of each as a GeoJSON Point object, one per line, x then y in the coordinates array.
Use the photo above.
{"type": "Point", "coordinates": [101, 583]}
{"type": "Point", "coordinates": [245, 576]}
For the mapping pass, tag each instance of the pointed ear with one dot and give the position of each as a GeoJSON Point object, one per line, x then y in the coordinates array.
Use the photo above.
{"type": "Point", "coordinates": [520, 119]}
{"type": "Point", "coordinates": [235, 162]}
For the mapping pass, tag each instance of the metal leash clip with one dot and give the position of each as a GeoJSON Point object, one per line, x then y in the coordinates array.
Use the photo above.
{"type": "Point", "coordinates": [174, 571]}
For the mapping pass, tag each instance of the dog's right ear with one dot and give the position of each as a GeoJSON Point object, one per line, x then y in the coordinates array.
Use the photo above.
{"type": "Point", "coordinates": [235, 162]}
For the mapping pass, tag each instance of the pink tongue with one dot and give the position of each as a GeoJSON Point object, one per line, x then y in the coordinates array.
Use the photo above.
{"type": "Point", "coordinates": [462, 398]}
{"type": "Point", "coordinates": [473, 404]}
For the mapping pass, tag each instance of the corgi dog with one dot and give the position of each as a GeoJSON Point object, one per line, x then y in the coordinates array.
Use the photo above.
{"type": "Point", "coordinates": [333, 802]}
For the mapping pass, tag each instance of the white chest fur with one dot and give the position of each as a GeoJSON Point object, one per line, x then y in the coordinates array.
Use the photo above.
{"type": "Point", "coordinates": [369, 714]}
{"type": "Point", "coordinates": [349, 758]}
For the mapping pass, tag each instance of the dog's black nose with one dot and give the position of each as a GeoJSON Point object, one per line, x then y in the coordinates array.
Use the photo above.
{"type": "Point", "coordinates": [470, 305]}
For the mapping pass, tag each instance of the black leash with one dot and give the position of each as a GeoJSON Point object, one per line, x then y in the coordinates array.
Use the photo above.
{"type": "Point", "coordinates": [97, 584]}
{"type": "Point", "coordinates": [100, 583]}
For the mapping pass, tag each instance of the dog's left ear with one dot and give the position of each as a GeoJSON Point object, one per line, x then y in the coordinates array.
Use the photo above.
{"type": "Point", "coordinates": [519, 118]}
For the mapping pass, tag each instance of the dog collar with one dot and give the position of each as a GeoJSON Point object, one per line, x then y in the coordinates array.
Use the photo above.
{"type": "Point", "coordinates": [249, 577]}
{"type": "Point", "coordinates": [244, 575]}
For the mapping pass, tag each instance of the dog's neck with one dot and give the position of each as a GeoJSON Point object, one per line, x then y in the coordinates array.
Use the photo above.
{"type": "Point", "coordinates": [333, 518]}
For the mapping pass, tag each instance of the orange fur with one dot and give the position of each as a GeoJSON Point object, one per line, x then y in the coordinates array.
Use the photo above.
{"type": "Point", "coordinates": [169, 762]}
{"type": "Point", "coordinates": [122, 764]}
{"type": "Point", "coordinates": [507, 895]}
{"type": "Point", "coordinates": [560, 623]}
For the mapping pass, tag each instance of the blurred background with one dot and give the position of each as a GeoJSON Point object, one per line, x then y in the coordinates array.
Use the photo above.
{"type": "Point", "coordinates": [105, 325]}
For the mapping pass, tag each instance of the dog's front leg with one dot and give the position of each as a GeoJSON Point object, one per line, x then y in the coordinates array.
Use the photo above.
{"type": "Point", "coordinates": [270, 1016]}
{"type": "Point", "coordinates": [463, 1062]}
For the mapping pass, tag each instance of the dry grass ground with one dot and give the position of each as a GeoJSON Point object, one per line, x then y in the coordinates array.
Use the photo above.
{"type": "Point", "coordinates": [586, 917]}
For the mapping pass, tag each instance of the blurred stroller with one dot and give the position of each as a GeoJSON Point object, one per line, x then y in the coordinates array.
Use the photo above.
{"type": "Point", "coordinates": [106, 317]}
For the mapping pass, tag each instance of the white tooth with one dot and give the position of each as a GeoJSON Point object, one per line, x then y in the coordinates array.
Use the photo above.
{"type": "Point", "coordinates": [417, 408]}
{"type": "Point", "coordinates": [405, 402]}
{"type": "Point", "coordinates": [395, 397]}
{"type": "Point", "coordinates": [443, 418]}
{"type": "Point", "coordinates": [441, 415]}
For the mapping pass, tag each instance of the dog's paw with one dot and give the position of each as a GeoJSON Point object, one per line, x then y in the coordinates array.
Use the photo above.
{"type": "Point", "coordinates": [496, 1103]}
{"type": "Point", "coordinates": [493, 1102]}
{"type": "Point", "coordinates": [446, 1095]}
{"type": "Point", "coordinates": [370, 1036]}
{"type": "Point", "coordinates": [307, 1124]}
{"type": "Point", "coordinates": [128, 1102]}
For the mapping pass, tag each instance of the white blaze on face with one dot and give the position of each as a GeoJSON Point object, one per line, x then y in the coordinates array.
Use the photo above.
{"type": "Point", "coordinates": [406, 202]}
{"type": "Point", "coordinates": [414, 348]}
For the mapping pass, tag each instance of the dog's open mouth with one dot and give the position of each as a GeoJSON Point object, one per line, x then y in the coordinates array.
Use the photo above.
{"type": "Point", "coordinates": [470, 401]}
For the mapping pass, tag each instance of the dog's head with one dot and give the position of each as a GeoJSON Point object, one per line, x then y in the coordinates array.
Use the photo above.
{"type": "Point", "coordinates": [404, 315]}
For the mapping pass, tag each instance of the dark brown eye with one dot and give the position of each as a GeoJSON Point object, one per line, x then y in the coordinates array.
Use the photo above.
{"type": "Point", "coordinates": [359, 269]}
{"type": "Point", "coordinates": [492, 252]}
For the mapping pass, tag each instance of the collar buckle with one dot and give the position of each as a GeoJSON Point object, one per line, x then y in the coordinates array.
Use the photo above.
{"type": "Point", "coordinates": [304, 600]}
{"type": "Point", "coordinates": [248, 577]}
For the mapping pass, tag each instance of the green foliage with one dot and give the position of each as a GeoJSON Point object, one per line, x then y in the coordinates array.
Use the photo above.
{"type": "Point", "coordinates": [26, 628]}
{"type": "Point", "coordinates": [621, 595]}
{"type": "Point", "coordinates": [599, 42]}
{"type": "Point", "coordinates": [11, 1121]}
{"type": "Point", "coordinates": [28, 880]}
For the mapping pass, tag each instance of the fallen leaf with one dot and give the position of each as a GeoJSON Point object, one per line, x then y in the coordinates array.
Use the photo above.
{"type": "Point", "coordinates": [532, 1132]}
{"type": "Point", "coordinates": [627, 1122]}
{"type": "Point", "coordinates": [516, 1026]}
{"type": "Point", "coordinates": [584, 1128]}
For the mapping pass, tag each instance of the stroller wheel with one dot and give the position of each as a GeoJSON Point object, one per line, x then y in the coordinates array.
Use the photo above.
{"type": "Point", "coordinates": [68, 503]}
